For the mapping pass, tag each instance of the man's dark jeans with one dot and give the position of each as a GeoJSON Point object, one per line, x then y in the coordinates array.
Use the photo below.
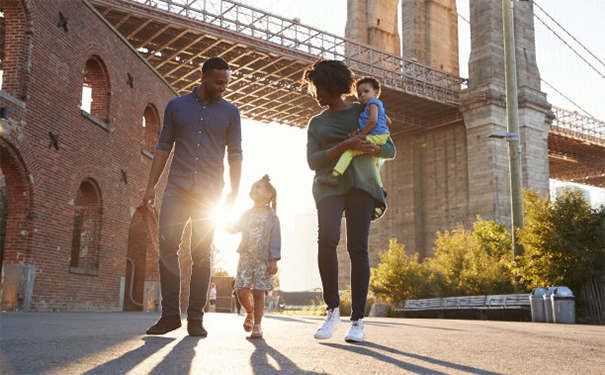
{"type": "Point", "coordinates": [358, 207]}
{"type": "Point", "coordinates": [178, 207]}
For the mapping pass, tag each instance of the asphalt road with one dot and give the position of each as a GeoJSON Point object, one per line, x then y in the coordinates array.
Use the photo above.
{"type": "Point", "coordinates": [115, 343]}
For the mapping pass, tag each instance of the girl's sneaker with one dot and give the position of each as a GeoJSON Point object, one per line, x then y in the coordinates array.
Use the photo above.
{"type": "Point", "coordinates": [331, 322]}
{"type": "Point", "coordinates": [248, 322]}
{"type": "Point", "coordinates": [257, 332]}
{"type": "Point", "coordinates": [355, 333]}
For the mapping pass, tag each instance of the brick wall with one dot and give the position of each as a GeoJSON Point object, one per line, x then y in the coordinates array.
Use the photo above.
{"type": "Point", "coordinates": [46, 181]}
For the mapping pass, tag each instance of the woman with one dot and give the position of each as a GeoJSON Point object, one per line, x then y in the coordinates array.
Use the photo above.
{"type": "Point", "coordinates": [357, 194]}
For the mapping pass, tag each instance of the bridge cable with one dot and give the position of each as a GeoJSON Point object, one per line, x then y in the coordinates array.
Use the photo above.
{"type": "Point", "coordinates": [570, 47]}
{"type": "Point", "coordinates": [557, 35]}
{"type": "Point", "coordinates": [464, 19]}
{"type": "Point", "coordinates": [563, 95]}
{"type": "Point", "coordinates": [568, 33]}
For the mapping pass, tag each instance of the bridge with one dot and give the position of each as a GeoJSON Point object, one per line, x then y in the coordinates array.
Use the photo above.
{"type": "Point", "coordinates": [268, 54]}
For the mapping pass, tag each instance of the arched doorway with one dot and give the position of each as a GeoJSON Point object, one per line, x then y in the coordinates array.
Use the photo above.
{"type": "Point", "coordinates": [140, 244]}
{"type": "Point", "coordinates": [15, 214]}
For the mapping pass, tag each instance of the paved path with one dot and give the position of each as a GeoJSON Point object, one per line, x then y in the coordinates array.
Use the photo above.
{"type": "Point", "coordinates": [113, 343]}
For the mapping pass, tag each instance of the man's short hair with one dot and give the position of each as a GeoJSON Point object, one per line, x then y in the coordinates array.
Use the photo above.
{"type": "Point", "coordinates": [214, 63]}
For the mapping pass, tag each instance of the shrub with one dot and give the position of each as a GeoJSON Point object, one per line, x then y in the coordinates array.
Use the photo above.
{"type": "Point", "coordinates": [474, 263]}
{"type": "Point", "coordinates": [564, 241]}
{"type": "Point", "coordinates": [400, 276]}
{"type": "Point", "coordinates": [465, 263]}
{"type": "Point", "coordinates": [345, 302]}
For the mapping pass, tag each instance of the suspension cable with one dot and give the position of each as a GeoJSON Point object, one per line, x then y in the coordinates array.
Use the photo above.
{"type": "Point", "coordinates": [568, 33]}
{"type": "Point", "coordinates": [570, 47]}
{"type": "Point", "coordinates": [563, 95]}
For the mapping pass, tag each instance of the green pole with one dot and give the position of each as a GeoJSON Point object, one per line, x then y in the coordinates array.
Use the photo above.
{"type": "Point", "coordinates": [512, 128]}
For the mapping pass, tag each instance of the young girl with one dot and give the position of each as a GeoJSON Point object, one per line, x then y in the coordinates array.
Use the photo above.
{"type": "Point", "coordinates": [260, 249]}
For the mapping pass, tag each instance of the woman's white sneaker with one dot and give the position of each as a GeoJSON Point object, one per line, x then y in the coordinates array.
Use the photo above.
{"type": "Point", "coordinates": [331, 322]}
{"type": "Point", "coordinates": [355, 333]}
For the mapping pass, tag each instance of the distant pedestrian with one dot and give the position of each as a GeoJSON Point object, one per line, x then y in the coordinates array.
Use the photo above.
{"type": "Point", "coordinates": [199, 127]}
{"type": "Point", "coordinates": [357, 194]}
{"type": "Point", "coordinates": [212, 295]}
{"type": "Point", "coordinates": [259, 251]}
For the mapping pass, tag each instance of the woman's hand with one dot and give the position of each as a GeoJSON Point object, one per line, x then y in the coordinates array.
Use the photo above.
{"type": "Point", "coordinates": [356, 141]}
{"type": "Point", "coordinates": [359, 142]}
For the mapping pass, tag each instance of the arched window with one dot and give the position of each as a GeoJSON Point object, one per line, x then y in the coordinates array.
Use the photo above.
{"type": "Point", "coordinates": [96, 89]}
{"type": "Point", "coordinates": [151, 128]}
{"type": "Point", "coordinates": [87, 229]}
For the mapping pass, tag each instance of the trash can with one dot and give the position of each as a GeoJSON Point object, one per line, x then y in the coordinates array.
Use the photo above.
{"type": "Point", "coordinates": [536, 301]}
{"type": "Point", "coordinates": [548, 304]}
{"type": "Point", "coordinates": [563, 306]}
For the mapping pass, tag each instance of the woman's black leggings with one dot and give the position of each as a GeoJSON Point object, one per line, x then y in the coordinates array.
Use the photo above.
{"type": "Point", "coordinates": [358, 207]}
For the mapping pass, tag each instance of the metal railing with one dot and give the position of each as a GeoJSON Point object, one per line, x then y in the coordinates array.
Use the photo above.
{"type": "Point", "coordinates": [575, 125]}
{"type": "Point", "coordinates": [308, 43]}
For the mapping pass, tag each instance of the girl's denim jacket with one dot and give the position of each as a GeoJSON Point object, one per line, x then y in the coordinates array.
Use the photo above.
{"type": "Point", "coordinates": [271, 241]}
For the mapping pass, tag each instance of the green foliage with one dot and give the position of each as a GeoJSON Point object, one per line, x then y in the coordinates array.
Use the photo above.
{"type": "Point", "coordinates": [476, 262]}
{"type": "Point", "coordinates": [564, 241]}
{"type": "Point", "coordinates": [465, 263]}
{"type": "Point", "coordinates": [219, 271]}
{"type": "Point", "coordinates": [345, 302]}
{"type": "Point", "coordinates": [400, 276]}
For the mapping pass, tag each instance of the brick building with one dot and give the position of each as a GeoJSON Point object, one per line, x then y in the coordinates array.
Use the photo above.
{"type": "Point", "coordinates": [72, 172]}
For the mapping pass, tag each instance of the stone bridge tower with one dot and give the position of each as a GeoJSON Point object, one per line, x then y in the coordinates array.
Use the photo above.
{"type": "Point", "coordinates": [447, 176]}
{"type": "Point", "coordinates": [374, 22]}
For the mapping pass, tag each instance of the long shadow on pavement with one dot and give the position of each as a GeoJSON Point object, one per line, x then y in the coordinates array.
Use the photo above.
{"type": "Point", "coordinates": [260, 361]}
{"type": "Point", "coordinates": [180, 358]}
{"type": "Point", "coordinates": [290, 319]}
{"type": "Point", "coordinates": [364, 349]}
{"type": "Point", "coordinates": [128, 361]}
{"type": "Point", "coordinates": [370, 323]}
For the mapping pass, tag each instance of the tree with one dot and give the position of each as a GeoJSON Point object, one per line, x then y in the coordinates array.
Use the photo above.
{"type": "Point", "coordinates": [477, 262]}
{"type": "Point", "coordinates": [564, 241]}
{"type": "Point", "coordinates": [400, 276]}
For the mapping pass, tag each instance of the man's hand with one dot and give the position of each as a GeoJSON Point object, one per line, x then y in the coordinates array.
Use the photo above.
{"type": "Point", "coordinates": [272, 269]}
{"type": "Point", "coordinates": [149, 198]}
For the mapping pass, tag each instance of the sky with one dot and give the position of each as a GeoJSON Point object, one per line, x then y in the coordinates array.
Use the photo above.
{"type": "Point", "coordinates": [559, 66]}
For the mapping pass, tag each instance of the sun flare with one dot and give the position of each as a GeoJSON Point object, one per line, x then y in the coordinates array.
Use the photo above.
{"type": "Point", "coordinates": [225, 244]}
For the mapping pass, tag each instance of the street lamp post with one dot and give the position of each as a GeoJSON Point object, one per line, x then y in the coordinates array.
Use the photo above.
{"type": "Point", "coordinates": [512, 122]}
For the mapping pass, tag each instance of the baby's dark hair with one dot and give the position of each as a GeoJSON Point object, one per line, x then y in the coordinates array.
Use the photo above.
{"type": "Point", "coordinates": [214, 63]}
{"type": "Point", "coordinates": [332, 76]}
{"type": "Point", "coordinates": [371, 80]}
{"type": "Point", "coordinates": [273, 199]}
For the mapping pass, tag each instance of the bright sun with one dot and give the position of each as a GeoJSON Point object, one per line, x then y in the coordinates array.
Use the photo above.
{"type": "Point", "coordinates": [225, 256]}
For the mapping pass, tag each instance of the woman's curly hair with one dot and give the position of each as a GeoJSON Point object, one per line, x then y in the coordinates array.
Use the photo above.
{"type": "Point", "coordinates": [332, 76]}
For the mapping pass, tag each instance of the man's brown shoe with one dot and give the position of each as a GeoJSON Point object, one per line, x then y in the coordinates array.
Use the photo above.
{"type": "Point", "coordinates": [165, 324]}
{"type": "Point", "coordinates": [196, 328]}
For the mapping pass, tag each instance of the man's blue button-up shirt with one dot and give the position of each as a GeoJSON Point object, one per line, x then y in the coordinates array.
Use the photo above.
{"type": "Point", "coordinates": [200, 131]}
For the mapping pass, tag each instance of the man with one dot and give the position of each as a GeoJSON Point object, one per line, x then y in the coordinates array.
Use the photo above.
{"type": "Point", "coordinates": [199, 125]}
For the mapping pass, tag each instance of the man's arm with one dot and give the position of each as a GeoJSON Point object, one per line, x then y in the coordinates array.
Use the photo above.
{"type": "Point", "coordinates": [157, 167]}
{"type": "Point", "coordinates": [235, 175]}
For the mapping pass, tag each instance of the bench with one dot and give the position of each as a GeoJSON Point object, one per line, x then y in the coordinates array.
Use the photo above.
{"type": "Point", "coordinates": [467, 306]}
